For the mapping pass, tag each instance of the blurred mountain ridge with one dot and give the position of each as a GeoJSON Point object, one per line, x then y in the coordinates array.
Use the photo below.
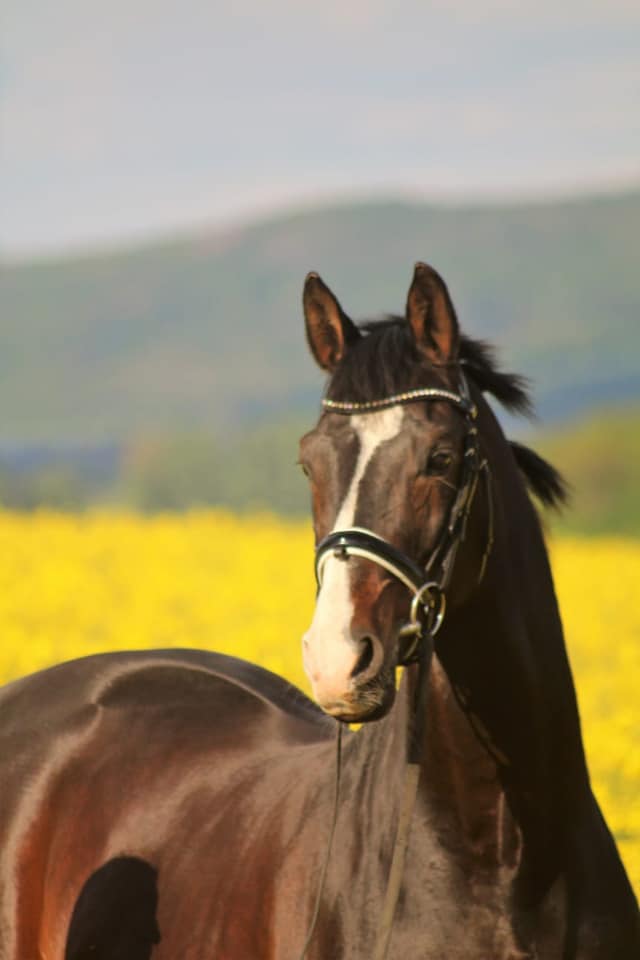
{"type": "Point", "coordinates": [205, 331]}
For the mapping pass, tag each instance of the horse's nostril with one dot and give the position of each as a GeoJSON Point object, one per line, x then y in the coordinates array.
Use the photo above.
{"type": "Point", "coordinates": [365, 658]}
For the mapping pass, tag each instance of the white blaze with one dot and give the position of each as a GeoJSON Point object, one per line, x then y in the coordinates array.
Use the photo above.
{"type": "Point", "coordinates": [330, 654]}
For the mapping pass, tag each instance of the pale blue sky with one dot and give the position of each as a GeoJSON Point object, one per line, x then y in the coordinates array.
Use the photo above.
{"type": "Point", "coordinates": [135, 116]}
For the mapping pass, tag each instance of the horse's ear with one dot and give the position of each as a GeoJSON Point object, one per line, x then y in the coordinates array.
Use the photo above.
{"type": "Point", "coordinates": [329, 329]}
{"type": "Point", "coordinates": [431, 316]}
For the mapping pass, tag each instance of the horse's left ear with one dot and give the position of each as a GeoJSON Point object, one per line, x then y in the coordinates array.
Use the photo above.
{"type": "Point", "coordinates": [431, 316]}
{"type": "Point", "coordinates": [329, 329]}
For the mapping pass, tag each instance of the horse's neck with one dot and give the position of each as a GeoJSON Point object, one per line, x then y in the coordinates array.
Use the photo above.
{"type": "Point", "coordinates": [460, 810]}
{"type": "Point", "coordinates": [460, 785]}
{"type": "Point", "coordinates": [503, 650]}
{"type": "Point", "coordinates": [496, 771]}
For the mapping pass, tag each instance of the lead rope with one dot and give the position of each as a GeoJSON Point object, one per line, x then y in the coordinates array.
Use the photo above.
{"type": "Point", "coordinates": [409, 794]}
{"type": "Point", "coordinates": [332, 830]}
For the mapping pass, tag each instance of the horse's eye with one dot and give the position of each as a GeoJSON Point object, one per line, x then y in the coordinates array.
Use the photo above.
{"type": "Point", "coordinates": [438, 463]}
{"type": "Point", "coordinates": [304, 467]}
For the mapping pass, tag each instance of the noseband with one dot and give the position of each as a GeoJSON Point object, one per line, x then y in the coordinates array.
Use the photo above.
{"type": "Point", "coordinates": [428, 583]}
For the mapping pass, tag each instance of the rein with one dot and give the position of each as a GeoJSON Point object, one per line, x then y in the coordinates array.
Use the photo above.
{"type": "Point", "coordinates": [428, 606]}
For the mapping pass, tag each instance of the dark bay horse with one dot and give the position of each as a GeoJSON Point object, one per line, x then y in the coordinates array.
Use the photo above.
{"type": "Point", "coordinates": [178, 804]}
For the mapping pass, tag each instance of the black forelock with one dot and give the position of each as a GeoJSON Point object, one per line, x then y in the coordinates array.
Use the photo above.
{"type": "Point", "coordinates": [385, 361]}
{"type": "Point", "coordinates": [382, 362]}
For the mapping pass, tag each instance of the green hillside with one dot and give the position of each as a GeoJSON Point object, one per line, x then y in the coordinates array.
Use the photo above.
{"type": "Point", "coordinates": [600, 457]}
{"type": "Point", "coordinates": [205, 331]}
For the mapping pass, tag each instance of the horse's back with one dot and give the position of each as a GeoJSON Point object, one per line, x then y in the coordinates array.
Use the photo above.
{"type": "Point", "coordinates": [44, 703]}
{"type": "Point", "coordinates": [194, 698]}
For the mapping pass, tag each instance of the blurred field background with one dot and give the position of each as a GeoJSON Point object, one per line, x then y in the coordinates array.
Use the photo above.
{"type": "Point", "coordinates": [166, 184]}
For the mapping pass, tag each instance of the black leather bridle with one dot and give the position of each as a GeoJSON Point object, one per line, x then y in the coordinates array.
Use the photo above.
{"type": "Point", "coordinates": [428, 584]}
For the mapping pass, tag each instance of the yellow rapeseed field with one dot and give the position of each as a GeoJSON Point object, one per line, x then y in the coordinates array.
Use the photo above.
{"type": "Point", "coordinates": [71, 586]}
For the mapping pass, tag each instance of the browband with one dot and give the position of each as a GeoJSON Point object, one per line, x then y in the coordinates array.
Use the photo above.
{"type": "Point", "coordinates": [421, 393]}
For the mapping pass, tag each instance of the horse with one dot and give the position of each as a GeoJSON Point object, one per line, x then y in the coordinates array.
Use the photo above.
{"type": "Point", "coordinates": [182, 803]}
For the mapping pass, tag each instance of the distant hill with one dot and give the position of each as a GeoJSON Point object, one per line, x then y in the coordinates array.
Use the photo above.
{"type": "Point", "coordinates": [205, 331]}
{"type": "Point", "coordinates": [600, 457]}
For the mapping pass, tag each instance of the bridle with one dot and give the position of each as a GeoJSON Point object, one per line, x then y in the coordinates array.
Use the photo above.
{"type": "Point", "coordinates": [429, 583]}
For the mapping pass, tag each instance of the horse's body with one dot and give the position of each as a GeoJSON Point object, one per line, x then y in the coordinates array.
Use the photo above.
{"type": "Point", "coordinates": [179, 804]}
{"type": "Point", "coordinates": [208, 783]}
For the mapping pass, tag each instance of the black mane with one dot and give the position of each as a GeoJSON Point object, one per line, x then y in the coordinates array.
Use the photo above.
{"type": "Point", "coordinates": [510, 389]}
{"type": "Point", "coordinates": [386, 361]}
{"type": "Point", "coordinates": [541, 477]}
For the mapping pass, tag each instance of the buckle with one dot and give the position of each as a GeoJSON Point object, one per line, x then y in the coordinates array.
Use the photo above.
{"type": "Point", "coordinates": [431, 599]}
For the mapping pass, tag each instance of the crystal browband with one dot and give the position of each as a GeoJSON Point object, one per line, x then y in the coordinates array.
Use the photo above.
{"type": "Point", "coordinates": [422, 393]}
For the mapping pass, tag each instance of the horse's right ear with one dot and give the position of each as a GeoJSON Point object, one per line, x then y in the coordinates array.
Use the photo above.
{"type": "Point", "coordinates": [329, 329]}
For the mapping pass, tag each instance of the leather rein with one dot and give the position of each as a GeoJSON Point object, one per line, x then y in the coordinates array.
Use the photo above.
{"type": "Point", "coordinates": [428, 606]}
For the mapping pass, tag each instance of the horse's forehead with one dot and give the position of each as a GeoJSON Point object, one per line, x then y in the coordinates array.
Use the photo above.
{"type": "Point", "coordinates": [372, 429]}
{"type": "Point", "coordinates": [357, 430]}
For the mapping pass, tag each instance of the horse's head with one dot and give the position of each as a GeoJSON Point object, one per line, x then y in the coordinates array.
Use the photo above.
{"type": "Point", "coordinates": [395, 470]}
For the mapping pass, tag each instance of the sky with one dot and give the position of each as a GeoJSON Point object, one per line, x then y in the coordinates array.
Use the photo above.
{"type": "Point", "coordinates": [124, 119]}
